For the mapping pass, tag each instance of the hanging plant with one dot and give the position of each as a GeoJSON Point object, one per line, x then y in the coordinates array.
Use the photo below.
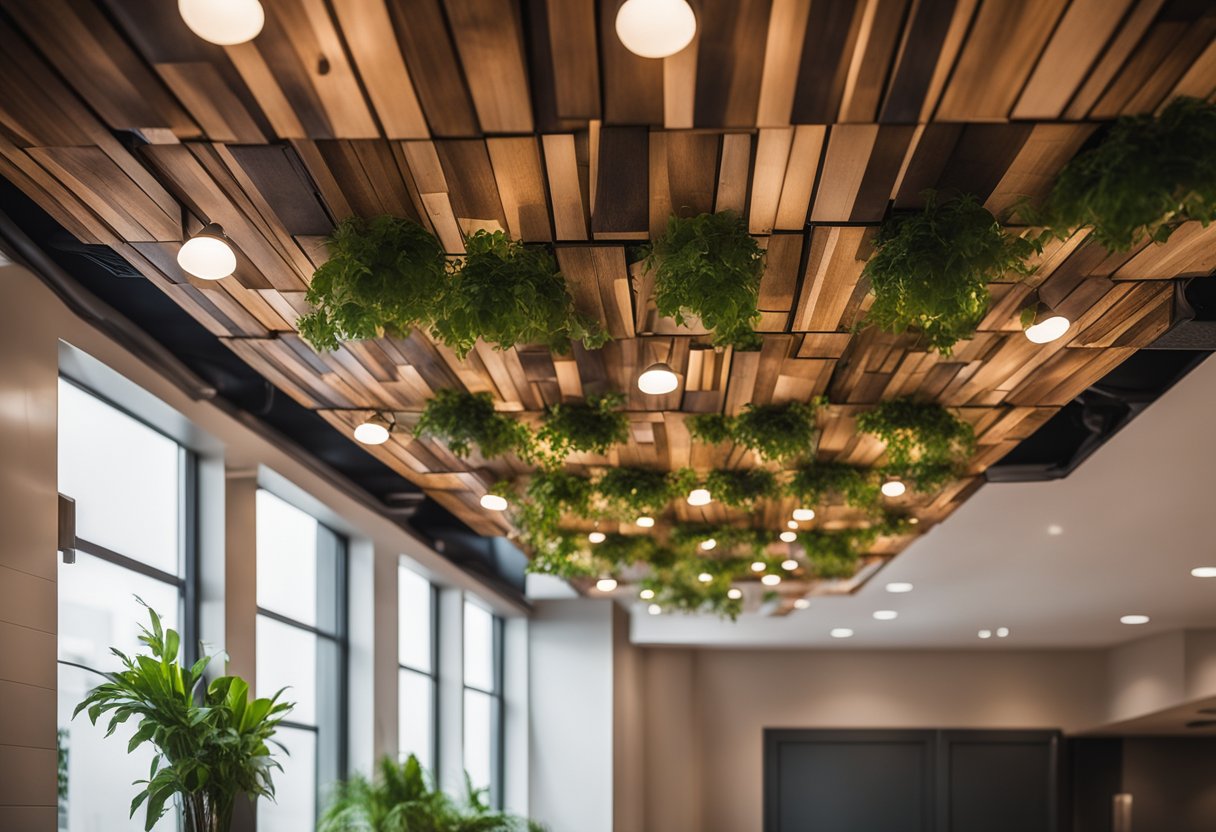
{"type": "Point", "coordinates": [383, 275]}
{"type": "Point", "coordinates": [836, 554]}
{"type": "Point", "coordinates": [773, 431]}
{"type": "Point", "coordinates": [710, 267]}
{"type": "Point", "coordinates": [687, 539]}
{"type": "Point", "coordinates": [1149, 175]}
{"type": "Point", "coordinates": [741, 489]}
{"type": "Point", "coordinates": [821, 483]}
{"type": "Point", "coordinates": [506, 293]}
{"type": "Point", "coordinates": [681, 590]}
{"type": "Point", "coordinates": [465, 420]}
{"type": "Point", "coordinates": [930, 270]}
{"type": "Point", "coordinates": [549, 496]}
{"type": "Point", "coordinates": [712, 428]}
{"type": "Point", "coordinates": [592, 427]}
{"type": "Point", "coordinates": [918, 432]}
{"type": "Point", "coordinates": [628, 493]}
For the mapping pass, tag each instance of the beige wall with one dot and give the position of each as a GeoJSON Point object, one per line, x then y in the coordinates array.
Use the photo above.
{"type": "Point", "coordinates": [707, 709]}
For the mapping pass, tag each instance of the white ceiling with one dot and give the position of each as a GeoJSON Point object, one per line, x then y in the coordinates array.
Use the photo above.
{"type": "Point", "coordinates": [1136, 517]}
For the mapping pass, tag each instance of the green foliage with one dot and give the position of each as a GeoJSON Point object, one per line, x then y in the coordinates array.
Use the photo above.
{"type": "Point", "coordinates": [817, 484]}
{"type": "Point", "coordinates": [931, 269]}
{"type": "Point", "coordinates": [921, 435]}
{"type": "Point", "coordinates": [383, 274]}
{"type": "Point", "coordinates": [741, 489]}
{"type": "Point", "coordinates": [61, 763]}
{"type": "Point", "coordinates": [710, 267]}
{"type": "Point", "coordinates": [773, 431]}
{"type": "Point", "coordinates": [206, 753]}
{"type": "Point", "coordinates": [506, 293]}
{"type": "Point", "coordinates": [1149, 175]}
{"type": "Point", "coordinates": [564, 555]}
{"type": "Point", "coordinates": [463, 420]}
{"type": "Point", "coordinates": [732, 541]}
{"type": "Point", "coordinates": [713, 428]}
{"type": "Point", "coordinates": [628, 493]}
{"type": "Point", "coordinates": [548, 496]}
{"type": "Point", "coordinates": [679, 588]}
{"type": "Point", "coordinates": [593, 427]}
{"type": "Point", "coordinates": [404, 799]}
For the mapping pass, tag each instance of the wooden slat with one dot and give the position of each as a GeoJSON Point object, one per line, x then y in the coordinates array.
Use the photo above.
{"type": "Point", "coordinates": [569, 201]}
{"type": "Point", "coordinates": [521, 187]}
{"type": "Point", "coordinates": [576, 72]}
{"type": "Point", "coordinates": [800, 173]}
{"type": "Point", "coordinates": [620, 208]}
{"type": "Point", "coordinates": [490, 41]}
{"type": "Point", "coordinates": [827, 52]}
{"type": "Point", "coordinates": [878, 36]}
{"type": "Point", "coordinates": [633, 86]}
{"type": "Point", "coordinates": [369, 35]}
{"type": "Point", "coordinates": [772, 157]}
{"type": "Point", "coordinates": [787, 28]}
{"type": "Point", "coordinates": [732, 173]}
{"type": "Point", "coordinates": [731, 37]}
{"type": "Point", "coordinates": [422, 32]}
{"type": "Point", "coordinates": [844, 168]}
{"type": "Point", "coordinates": [832, 271]}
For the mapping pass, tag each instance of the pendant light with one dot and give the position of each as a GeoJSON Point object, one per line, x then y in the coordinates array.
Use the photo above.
{"type": "Point", "coordinates": [493, 502]}
{"type": "Point", "coordinates": [655, 28]}
{"type": "Point", "coordinates": [658, 379]}
{"type": "Point", "coordinates": [376, 430]}
{"type": "Point", "coordinates": [223, 22]}
{"type": "Point", "coordinates": [1042, 324]}
{"type": "Point", "coordinates": [208, 255]}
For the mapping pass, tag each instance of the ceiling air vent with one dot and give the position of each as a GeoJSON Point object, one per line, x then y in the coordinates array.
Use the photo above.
{"type": "Point", "coordinates": [1194, 317]}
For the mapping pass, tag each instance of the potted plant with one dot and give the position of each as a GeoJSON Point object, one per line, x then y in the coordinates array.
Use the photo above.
{"type": "Point", "coordinates": [212, 742]}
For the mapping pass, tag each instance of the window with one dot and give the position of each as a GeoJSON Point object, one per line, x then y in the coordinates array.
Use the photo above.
{"type": "Point", "coordinates": [417, 688]}
{"type": "Point", "coordinates": [133, 488]}
{"type": "Point", "coordinates": [483, 700]}
{"type": "Point", "coordinates": [301, 646]}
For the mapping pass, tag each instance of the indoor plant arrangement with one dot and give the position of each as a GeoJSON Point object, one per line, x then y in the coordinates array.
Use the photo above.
{"type": "Point", "coordinates": [775, 432]}
{"type": "Point", "coordinates": [464, 420]}
{"type": "Point", "coordinates": [925, 442]}
{"type": "Point", "coordinates": [815, 484]}
{"type": "Point", "coordinates": [593, 426]}
{"type": "Point", "coordinates": [212, 744]}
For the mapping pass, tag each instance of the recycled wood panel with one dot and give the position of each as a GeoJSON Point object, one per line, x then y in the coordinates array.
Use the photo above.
{"type": "Point", "coordinates": [810, 119]}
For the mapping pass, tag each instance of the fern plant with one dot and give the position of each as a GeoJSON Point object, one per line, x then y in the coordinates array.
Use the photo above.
{"type": "Point", "coordinates": [464, 420]}
{"type": "Point", "coordinates": [930, 269]}
{"type": "Point", "coordinates": [594, 426]}
{"type": "Point", "coordinates": [383, 275]}
{"type": "Point", "coordinates": [1148, 175]}
{"type": "Point", "coordinates": [506, 293]}
{"type": "Point", "coordinates": [710, 267]}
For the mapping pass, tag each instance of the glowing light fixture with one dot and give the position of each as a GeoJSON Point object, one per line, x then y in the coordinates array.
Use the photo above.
{"type": "Point", "coordinates": [788, 537]}
{"type": "Point", "coordinates": [1002, 632]}
{"type": "Point", "coordinates": [789, 565]}
{"type": "Point", "coordinates": [646, 594]}
{"type": "Point", "coordinates": [606, 584]}
{"type": "Point", "coordinates": [1042, 324]}
{"type": "Point", "coordinates": [802, 603]}
{"type": "Point", "coordinates": [207, 255]}
{"type": "Point", "coordinates": [1204, 572]}
{"type": "Point", "coordinates": [658, 379]}
{"type": "Point", "coordinates": [758, 566]}
{"type": "Point", "coordinates": [893, 488]}
{"type": "Point", "coordinates": [597, 537]}
{"type": "Point", "coordinates": [493, 502]}
{"type": "Point", "coordinates": [885, 615]}
{"type": "Point", "coordinates": [705, 577]}
{"type": "Point", "coordinates": [708, 544]}
{"type": "Point", "coordinates": [655, 28]}
{"type": "Point", "coordinates": [734, 593]}
{"type": "Point", "coordinates": [791, 524]}
{"type": "Point", "coordinates": [984, 634]}
{"type": "Point", "coordinates": [1055, 530]}
{"type": "Point", "coordinates": [645, 522]}
{"type": "Point", "coordinates": [841, 632]}
{"type": "Point", "coordinates": [1134, 619]}
{"type": "Point", "coordinates": [771, 580]}
{"type": "Point", "coordinates": [898, 587]}
{"type": "Point", "coordinates": [223, 22]}
{"type": "Point", "coordinates": [699, 497]}
{"type": "Point", "coordinates": [804, 515]}
{"type": "Point", "coordinates": [654, 609]}
{"type": "Point", "coordinates": [374, 431]}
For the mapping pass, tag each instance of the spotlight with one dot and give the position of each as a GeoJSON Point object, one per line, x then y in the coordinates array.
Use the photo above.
{"type": "Point", "coordinates": [705, 577]}
{"type": "Point", "coordinates": [788, 537]}
{"type": "Point", "coordinates": [208, 255]}
{"type": "Point", "coordinates": [375, 431]}
{"type": "Point", "coordinates": [758, 566]}
{"type": "Point", "coordinates": [893, 488]}
{"type": "Point", "coordinates": [734, 593]}
{"type": "Point", "coordinates": [789, 565]}
{"type": "Point", "coordinates": [654, 609]}
{"type": "Point", "coordinates": [1042, 325]}
{"type": "Point", "coordinates": [841, 632]}
{"type": "Point", "coordinates": [645, 522]}
{"type": "Point", "coordinates": [658, 379]}
{"type": "Point", "coordinates": [801, 603]}
{"type": "Point", "coordinates": [597, 537]}
{"type": "Point", "coordinates": [646, 594]}
{"type": "Point", "coordinates": [771, 580]}
{"type": "Point", "coordinates": [708, 544]}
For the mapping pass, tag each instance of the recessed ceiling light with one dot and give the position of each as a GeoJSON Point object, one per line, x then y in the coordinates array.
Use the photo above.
{"type": "Point", "coordinates": [788, 537]}
{"type": "Point", "coordinates": [885, 615]}
{"type": "Point", "coordinates": [841, 632]}
{"type": "Point", "coordinates": [708, 544]}
{"type": "Point", "coordinates": [758, 566]}
{"type": "Point", "coordinates": [654, 609]}
{"type": "Point", "coordinates": [699, 497]}
{"type": "Point", "coordinates": [804, 515]}
{"type": "Point", "coordinates": [374, 431]}
{"type": "Point", "coordinates": [1134, 619]}
{"type": "Point", "coordinates": [208, 255]}
{"type": "Point", "coordinates": [606, 584]}
{"type": "Point", "coordinates": [597, 537]}
{"type": "Point", "coordinates": [789, 565]}
{"type": "Point", "coordinates": [771, 580]}
{"type": "Point", "coordinates": [705, 577]}
{"type": "Point", "coordinates": [1055, 530]}
{"type": "Point", "coordinates": [1204, 571]}
{"type": "Point", "coordinates": [655, 28]}
{"type": "Point", "coordinates": [899, 587]}
{"type": "Point", "coordinates": [1048, 330]}
{"type": "Point", "coordinates": [893, 488]}
{"type": "Point", "coordinates": [658, 379]}
{"type": "Point", "coordinates": [646, 594]}
{"type": "Point", "coordinates": [912, 521]}
{"type": "Point", "coordinates": [1002, 632]}
{"type": "Point", "coordinates": [493, 502]}
{"type": "Point", "coordinates": [645, 522]}
{"type": "Point", "coordinates": [734, 593]}
{"type": "Point", "coordinates": [801, 603]}
{"type": "Point", "coordinates": [223, 22]}
{"type": "Point", "coordinates": [985, 633]}
{"type": "Point", "coordinates": [791, 524]}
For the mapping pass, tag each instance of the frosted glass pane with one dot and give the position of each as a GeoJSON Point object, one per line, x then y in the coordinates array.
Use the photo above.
{"type": "Point", "coordinates": [413, 619]}
{"type": "Point", "coordinates": [100, 771]}
{"type": "Point", "coordinates": [98, 610]}
{"type": "Point", "coordinates": [478, 647]}
{"type": "Point", "coordinates": [287, 559]}
{"type": "Point", "coordinates": [294, 808]}
{"type": "Point", "coordinates": [478, 728]}
{"type": "Point", "coordinates": [124, 478]}
{"type": "Point", "coordinates": [287, 657]}
{"type": "Point", "coordinates": [415, 716]}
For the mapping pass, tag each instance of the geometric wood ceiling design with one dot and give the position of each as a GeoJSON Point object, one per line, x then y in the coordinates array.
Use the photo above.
{"type": "Point", "coordinates": [811, 118]}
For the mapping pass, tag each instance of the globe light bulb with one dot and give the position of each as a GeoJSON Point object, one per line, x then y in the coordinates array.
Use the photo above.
{"type": "Point", "coordinates": [804, 515]}
{"type": "Point", "coordinates": [893, 488]}
{"type": "Point", "coordinates": [374, 431]}
{"type": "Point", "coordinates": [655, 28]}
{"type": "Point", "coordinates": [1050, 329]}
{"type": "Point", "coordinates": [223, 22]}
{"type": "Point", "coordinates": [494, 502]}
{"type": "Point", "coordinates": [658, 379]}
{"type": "Point", "coordinates": [207, 255]}
{"type": "Point", "coordinates": [645, 522]}
{"type": "Point", "coordinates": [699, 497]}
{"type": "Point", "coordinates": [605, 584]}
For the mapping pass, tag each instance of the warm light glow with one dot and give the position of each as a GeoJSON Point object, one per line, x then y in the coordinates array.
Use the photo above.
{"type": "Point", "coordinates": [1002, 632]}
{"type": "Point", "coordinates": [899, 586]}
{"type": "Point", "coordinates": [658, 379]}
{"type": "Point", "coordinates": [654, 609]}
{"type": "Point", "coordinates": [655, 28]}
{"type": "Point", "coordinates": [758, 566]}
{"type": "Point", "coordinates": [771, 580]}
{"type": "Point", "coordinates": [705, 577]}
{"type": "Point", "coordinates": [606, 584]}
{"type": "Point", "coordinates": [645, 522]}
{"type": "Point", "coordinates": [788, 537]}
{"type": "Point", "coordinates": [1134, 619]}
{"type": "Point", "coordinates": [734, 593]}
{"type": "Point", "coordinates": [372, 432]}
{"type": "Point", "coordinates": [841, 632]}
{"type": "Point", "coordinates": [207, 255]}
{"type": "Point", "coordinates": [223, 22]}
{"type": "Point", "coordinates": [597, 537]}
{"type": "Point", "coordinates": [493, 502]}
{"type": "Point", "coordinates": [893, 488]}
{"type": "Point", "coordinates": [789, 565]}
{"type": "Point", "coordinates": [646, 594]}
{"type": "Point", "coordinates": [1204, 572]}
{"type": "Point", "coordinates": [699, 497]}
{"type": "Point", "coordinates": [1055, 530]}
{"type": "Point", "coordinates": [804, 515]}
{"type": "Point", "coordinates": [802, 603]}
{"type": "Point", "coordinates": [791, 524]}
{"type": "Point", "coordinates": [885, 615]}
{"type": "Point", "coordinates": [708, 544]}
{"type": "Point", "coordinates": [1048, 330]}
{"type": "Point", "coordinates": [912, 521]}
{"type": "Point", "coordinates": [985, 633]}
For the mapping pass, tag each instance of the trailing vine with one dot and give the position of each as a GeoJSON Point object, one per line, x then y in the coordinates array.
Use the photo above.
{"type": "Point", "coordinates": [628, 493]}
{"type": "Point", "coordinates": [548, 496]}
{"type": "Point", "coordinates": [817, 483]}
{"type": "Point", "coordinates": [926, 443]}
{"type": "Point", "coordinates": [930, 269]}
{"type": "Point", "coordinates": [775, 432]}
{"type": "Point", "coordinates": [465, 420]}
{"type": "Point", "coordinates": [593, 426]}
{"type": "Point", "coordinates": [741, 489]}
{"type": "Point", "coordinates": [710, 267]}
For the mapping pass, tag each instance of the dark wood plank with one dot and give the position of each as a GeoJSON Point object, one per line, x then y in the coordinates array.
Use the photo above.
{"type": "Point", "coordinates": [423, 34]}
{"type": "Point", "coordinates": [633, 86]}
{"type": "Point", "coordinates": [831, 37]}
{"type": "Point", "coordinates": [621, 209]}
{"type": "Point", "coordinates": [730, 60]}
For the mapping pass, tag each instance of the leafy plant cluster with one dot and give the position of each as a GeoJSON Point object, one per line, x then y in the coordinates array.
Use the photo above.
{"type": "Point", "coordinates": [593, 426]}
{"type": "Point", "coordinates": [775, 432]}
{"type": "Point", "coordinates": [821, 483]}
{"type": "Point", "coordinates": [836, 554]}
{"type": "Point", "coordinates": [925, 442]}
{"type": "Point", "coordinates": [627, 493]}
{"type": "Point", "coordinates": [742, 488]}
{"type": "Point", "coordinates": [464, 420]}
{"type": "Point", "coordinates": [390, 275]}
{"type": "Point", "coordinates": [1146, 177]}
{"type": "Point", "coordinates": [403, 798]}
{"type": "Point", "coordinates": [212, 744]}
{"type": "Point", "coordinates": [930, 269]}
{"type": "Point", "coordinates": [708, 266]}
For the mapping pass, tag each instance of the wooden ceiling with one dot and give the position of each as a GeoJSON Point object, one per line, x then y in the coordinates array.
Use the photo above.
{"type": "Point", "coordinates": [812, 118]}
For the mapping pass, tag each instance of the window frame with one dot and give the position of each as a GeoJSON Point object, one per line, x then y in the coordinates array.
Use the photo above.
{"type": "Point", "coordinates": [497, 703]}
{"type": "Point", "coordinates": [432, 674]}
